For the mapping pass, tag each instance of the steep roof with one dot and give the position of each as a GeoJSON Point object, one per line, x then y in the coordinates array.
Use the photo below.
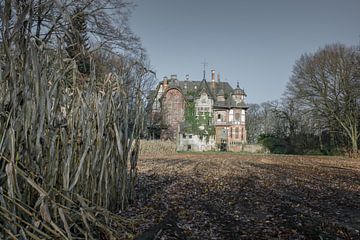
{"type": "Point", "coordinates": [193, 89]}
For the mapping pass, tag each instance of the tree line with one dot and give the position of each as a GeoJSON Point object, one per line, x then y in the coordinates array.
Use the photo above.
{"type": "Point", "coordinates": [320, 109]}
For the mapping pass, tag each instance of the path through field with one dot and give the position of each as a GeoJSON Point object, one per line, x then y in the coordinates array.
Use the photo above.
{"type": "Point", "coordinates": [229, 196]}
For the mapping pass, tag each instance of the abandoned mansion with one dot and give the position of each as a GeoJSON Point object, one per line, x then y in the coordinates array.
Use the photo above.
{"type": "Point", "coordinates": [198, 115]}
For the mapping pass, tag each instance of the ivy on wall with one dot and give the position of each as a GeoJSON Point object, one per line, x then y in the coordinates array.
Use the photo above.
{"type": "Point", "coordinates": [198, 125]}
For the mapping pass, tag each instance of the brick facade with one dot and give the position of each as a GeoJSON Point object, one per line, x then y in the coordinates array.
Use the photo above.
{"type": "Point", "coordinates": [225, 105]}
{"type": "Point", "coordinates": [173, 106]}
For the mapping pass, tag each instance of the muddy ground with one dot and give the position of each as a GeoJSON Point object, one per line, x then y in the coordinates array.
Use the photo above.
{"type": "Point", "coordinates": [231, 196]}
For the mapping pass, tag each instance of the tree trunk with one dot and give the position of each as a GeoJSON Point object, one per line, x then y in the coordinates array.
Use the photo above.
{"type": "Point", "coordinates": [354, 144]}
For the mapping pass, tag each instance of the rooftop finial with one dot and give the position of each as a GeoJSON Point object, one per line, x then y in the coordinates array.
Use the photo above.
{"type": "Point", "coordinates": [204, 64]}
{"type": "Point", "coordinates": [237, 86]}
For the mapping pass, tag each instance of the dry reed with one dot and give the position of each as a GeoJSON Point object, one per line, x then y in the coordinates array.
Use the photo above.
{"type": "Point", "coordinates": [67, 152]}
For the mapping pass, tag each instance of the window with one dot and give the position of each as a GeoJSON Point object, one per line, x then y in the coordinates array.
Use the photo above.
{"type": "Point", "coordinates": [237, 116]}
{"type": "Point", "coordinates": [190, 136]}
{"type": "Point", "coordinates": [188, 147]}
{"type": "Point", "coordinates": [219, 116]}
{"type": "Point", "coordinates": [231, 135]}
{"type": "Point", "coordinates": [242, 134]}
{"type": "Point", "coordinates": [200, 111]}
{"type": "Point", "coordinates": [236, 133]}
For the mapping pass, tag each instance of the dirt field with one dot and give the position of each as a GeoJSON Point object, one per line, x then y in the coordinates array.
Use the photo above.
{"type": "Point", "coordinates": [229, 196]}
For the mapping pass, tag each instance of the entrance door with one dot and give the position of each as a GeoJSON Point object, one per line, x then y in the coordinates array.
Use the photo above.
{"type": "Point", "coordinates": [224, 137]}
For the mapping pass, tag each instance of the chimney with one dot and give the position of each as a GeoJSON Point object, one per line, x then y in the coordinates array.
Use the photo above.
{"type": "Point", "coordinates": [212, 75]}
{"type": "Point", "coordinates": [213, 83]}
{"type": "Point", "coordinates": [218, 77]}
{"type": "Point", "coordinates": [165, 83]}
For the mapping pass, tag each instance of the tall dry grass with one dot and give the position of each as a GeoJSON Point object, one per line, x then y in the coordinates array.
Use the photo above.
{"type": "Point", "coordinates": [68, 147]}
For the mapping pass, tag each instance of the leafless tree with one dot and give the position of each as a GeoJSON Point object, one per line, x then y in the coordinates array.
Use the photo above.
{"type": "Point", "coordinates": [262, 120]}
{"type": "Point", "coordinates": [326, 83]}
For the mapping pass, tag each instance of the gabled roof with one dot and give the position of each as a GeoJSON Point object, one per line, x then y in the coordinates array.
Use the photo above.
{"type": "Point", "coordinates": [193, 89]}
{"type": "Point", "coordinates": [204, 86]}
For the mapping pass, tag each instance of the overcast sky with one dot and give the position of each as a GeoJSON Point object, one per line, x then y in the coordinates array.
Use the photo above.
{"type": "Point", "coordinates": [253, 42]}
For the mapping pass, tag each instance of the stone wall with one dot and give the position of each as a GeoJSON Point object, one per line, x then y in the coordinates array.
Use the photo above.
{"type": "Point", "coordinates": [157, 147]}
{"type": "Point", "coordinates": [190, 142]}
{"type": "Point", "coordinates": [254, 148]}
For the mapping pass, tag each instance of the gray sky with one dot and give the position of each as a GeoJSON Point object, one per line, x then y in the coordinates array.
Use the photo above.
{"type": "Point", "coordinates": [253, 42]}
